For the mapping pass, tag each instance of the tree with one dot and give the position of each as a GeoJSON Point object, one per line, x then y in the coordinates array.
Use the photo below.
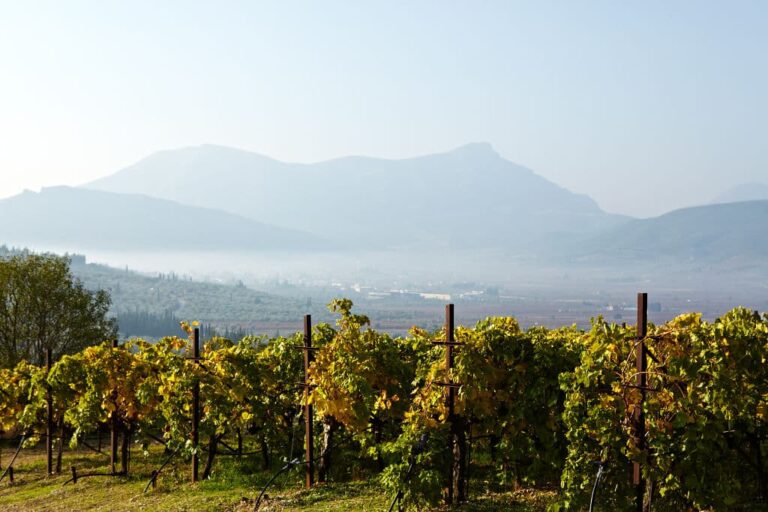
{"type": "Point", "coordinates": [43, 306]}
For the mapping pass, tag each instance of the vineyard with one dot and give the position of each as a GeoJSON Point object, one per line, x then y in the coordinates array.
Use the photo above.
{"type": "Point", "coordinates": [618, 417]}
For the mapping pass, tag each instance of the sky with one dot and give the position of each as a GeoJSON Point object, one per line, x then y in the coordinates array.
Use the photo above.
{"type": "Point", "coordinates": [645, 106]}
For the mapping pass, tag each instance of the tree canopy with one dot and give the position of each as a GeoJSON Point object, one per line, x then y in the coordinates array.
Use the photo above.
{"type": "Point", "coordinates": [43, 306]}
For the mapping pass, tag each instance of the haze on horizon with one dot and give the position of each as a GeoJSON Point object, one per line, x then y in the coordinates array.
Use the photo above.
{"type": "Point", "coordinates": [646, 108]}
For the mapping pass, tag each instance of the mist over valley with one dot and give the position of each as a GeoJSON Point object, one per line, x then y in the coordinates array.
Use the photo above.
{"type": "Point", "coordinates": [400, 237]}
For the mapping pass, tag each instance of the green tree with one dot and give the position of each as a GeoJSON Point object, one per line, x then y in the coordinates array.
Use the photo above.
{"type": "Point", "coordinates": [43, 306]}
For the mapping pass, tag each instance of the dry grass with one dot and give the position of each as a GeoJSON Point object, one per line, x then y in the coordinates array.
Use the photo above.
{"type": "Point", "coordinates": [233, 487]}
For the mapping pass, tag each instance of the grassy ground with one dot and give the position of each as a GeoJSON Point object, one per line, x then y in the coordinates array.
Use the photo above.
{"type": "Point", "coordinates": [234, 486]}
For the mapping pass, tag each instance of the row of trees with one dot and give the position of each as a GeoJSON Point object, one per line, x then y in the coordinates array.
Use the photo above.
{"type": "Point", "coordinates": [147, 323]}
{"type": "Point", "coordinates": [541, 405]}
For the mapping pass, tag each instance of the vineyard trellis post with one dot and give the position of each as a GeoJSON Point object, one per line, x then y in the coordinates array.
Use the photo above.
{"type": "Point", "coordinates": [457, 440]}
{"type": "Point", "coordinates": [308, 409]}
{"type": "Point", "coordinates": [113, 427]}
{"type": "Point", "coordinates": [48, 416]}
{"type": "Point", "coordinates": [195, 406]}
{"type": "Point", "coordinates": [641, 382]}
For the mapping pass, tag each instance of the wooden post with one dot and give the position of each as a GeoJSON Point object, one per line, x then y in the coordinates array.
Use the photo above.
{"type": "Point", "coordinates": [74, 474]}
{"type": "Point", "coordinates": [469, 461]}
{"type": "Point", "coordinates": [49, 417]}
{"type": "Point", "coordinates": [641, 381]}
{"type": "Point", "coordinates": [450, 395]}
{"type": "Point", "coordinates": [113, 428]}
{"type": "Point", "coordinates": [458, 439]}
{"type": "Point", "coordinates": [10, 474]}
{"type": "Point", "coordinates": [450, 392]}
{"type": "Point", "coordinates": [195, 408]}
{"type": "Point", "coordinates": [308, 409]}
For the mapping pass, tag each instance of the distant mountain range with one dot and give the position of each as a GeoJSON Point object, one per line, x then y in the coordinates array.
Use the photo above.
{"type": "Point", "coordinates": [74, 218]}
{"type": "Point", "coordinates": [469, 197]}
{"type": "Point", "coordinates": [212, 197]}
{"type": "Point", "coordinates": [743, 192]}
{"type": "Point", "coordinates": [733, 233]}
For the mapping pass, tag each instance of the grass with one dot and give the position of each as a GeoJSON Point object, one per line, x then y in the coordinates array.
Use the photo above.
{"type": "Point", "coordinates": [234, 486]}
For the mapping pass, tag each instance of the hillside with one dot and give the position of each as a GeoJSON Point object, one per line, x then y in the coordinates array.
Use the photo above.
{"type": "Point", "coordinates": [732, 233]}
{"type": "Point", "coordinates": [220, 304]}
{"type": "Point", "coordinates": [469, 196]}
{"type": "Point", "coordinates": [75, 219]}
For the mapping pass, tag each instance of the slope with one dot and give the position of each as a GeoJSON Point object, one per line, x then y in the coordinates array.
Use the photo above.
{"type": "Point", "coordinates": [470, 196]}
{"type": "Point", "coordinates": [72, 218]}
{"type": "Point", "coordinates": [731, 233]}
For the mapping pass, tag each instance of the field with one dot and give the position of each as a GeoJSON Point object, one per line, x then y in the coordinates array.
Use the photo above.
{"type": "Point", "coordinates": [488, 416]}
{"type": "Point", "coordinates": [234, 486]}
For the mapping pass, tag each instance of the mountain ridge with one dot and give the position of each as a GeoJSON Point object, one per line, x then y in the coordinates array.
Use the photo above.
{"type": "Point", "coordinates": [717, 233]}
{"type": "Point", "coordinates": [469, 195]}
{"type": "Point", "coordinates": [465, 199]}
{"type": "Point", "coordinates": [82, 218]}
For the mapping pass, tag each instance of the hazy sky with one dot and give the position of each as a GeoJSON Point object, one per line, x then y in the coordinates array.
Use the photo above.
{"type": "Point", "coordinates": [646, 106]}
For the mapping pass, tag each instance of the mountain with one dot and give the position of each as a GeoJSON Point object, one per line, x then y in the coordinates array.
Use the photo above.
{"type": "Point", "coordinates": [74, 218]}
{"type": "Point", "coordinates": [722, 233]}
{"type": "Point", "coordinates": [743, 192]}
{"type": "Point", "coordinates": [467, 197]}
